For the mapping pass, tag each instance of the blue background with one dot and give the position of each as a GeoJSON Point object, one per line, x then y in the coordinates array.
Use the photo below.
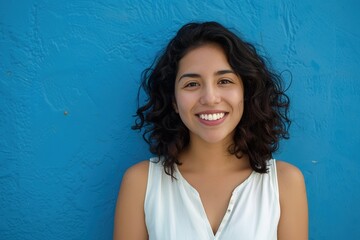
{"type": "Point", "coordinates": [69, 73]}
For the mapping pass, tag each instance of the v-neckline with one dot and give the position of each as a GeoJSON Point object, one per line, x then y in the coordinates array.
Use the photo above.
{"type": "Point", "coordinates": [230, 205]}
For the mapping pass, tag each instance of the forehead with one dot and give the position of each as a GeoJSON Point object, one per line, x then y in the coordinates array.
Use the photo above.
{"type": "Point", "coordinates": [205, 57]}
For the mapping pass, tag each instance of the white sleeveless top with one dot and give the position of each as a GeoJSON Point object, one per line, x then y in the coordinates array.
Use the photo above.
{"type": "Point", "coordinates": [174, 211]}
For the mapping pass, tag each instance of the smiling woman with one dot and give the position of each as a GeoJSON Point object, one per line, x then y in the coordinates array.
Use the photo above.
{"type": "Point", "coordinates": [214, 118]}
{"type": "Point", "coordinates": [206, 88]}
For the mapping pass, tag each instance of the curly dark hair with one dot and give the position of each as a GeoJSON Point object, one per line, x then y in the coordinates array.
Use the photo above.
{"type": "Point", "coordinates": [265, 119]}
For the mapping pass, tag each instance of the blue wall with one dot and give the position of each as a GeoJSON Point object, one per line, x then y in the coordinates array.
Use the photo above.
{"type": "Point", "coordinates": [69, 72]}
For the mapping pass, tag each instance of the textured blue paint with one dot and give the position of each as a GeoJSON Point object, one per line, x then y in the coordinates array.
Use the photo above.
{"type": "Point", "coordinates": [69, 72]}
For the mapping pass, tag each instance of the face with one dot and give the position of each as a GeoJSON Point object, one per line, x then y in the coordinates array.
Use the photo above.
{"type": "Point", "coordinates": [209, 95]}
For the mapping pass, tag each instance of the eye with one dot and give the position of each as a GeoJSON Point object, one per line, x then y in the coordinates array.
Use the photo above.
{"type": "Point", "coordinates": [225, 81]}
{"type": "Point", "coordinates": [191, 85]}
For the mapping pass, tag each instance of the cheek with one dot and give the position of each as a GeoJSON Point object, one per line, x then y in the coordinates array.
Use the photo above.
{"type": "Point", "coordinates": [184, 102]}
{"type": "Point", "coordinates": [237, 97]}
{"type": "Point", "coordinates": [183, 113]}
{"type": "Point", "coordinates": [241, 107]}
{"type": "Point", "coordinates": [183, 108]}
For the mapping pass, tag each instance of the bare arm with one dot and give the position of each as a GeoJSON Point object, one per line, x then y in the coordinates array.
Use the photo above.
{"type": "Point", "coordinates": [293, 203]}
{"type": "Point", "coordinates": [129, 223]}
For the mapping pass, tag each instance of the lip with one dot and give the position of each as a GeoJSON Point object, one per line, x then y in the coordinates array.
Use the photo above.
{"type": "Point", "coordinates": [213, 122]}
{"type": "Point", "coordinates": [211, 112]}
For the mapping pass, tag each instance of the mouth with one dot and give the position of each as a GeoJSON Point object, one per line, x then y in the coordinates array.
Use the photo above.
{"type": "Point", "coordinates": [212, 116]}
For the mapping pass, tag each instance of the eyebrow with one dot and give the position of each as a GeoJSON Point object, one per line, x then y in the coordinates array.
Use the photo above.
{"type": "Point", "coordinates": [195, 75]}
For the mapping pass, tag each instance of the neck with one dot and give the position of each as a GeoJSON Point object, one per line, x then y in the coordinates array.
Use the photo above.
{"type": "Point", "coordinates": [210, 157]}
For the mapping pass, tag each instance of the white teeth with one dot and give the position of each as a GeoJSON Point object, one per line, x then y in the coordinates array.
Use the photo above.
{"type": "Point", "coordinates": [212, 117]}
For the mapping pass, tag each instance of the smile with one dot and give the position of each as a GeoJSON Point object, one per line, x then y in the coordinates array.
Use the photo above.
{"type": "Point", "coordinates": [212, 117]}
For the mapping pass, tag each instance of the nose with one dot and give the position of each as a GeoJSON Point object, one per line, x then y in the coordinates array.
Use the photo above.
{"type": "Point", "coordinates": [210, 96]}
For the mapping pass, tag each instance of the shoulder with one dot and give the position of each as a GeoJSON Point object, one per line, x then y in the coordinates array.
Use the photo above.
{"type": "Point", "coordinates": [293, 202]}
{"type": "Point", "coordinates": [290, 179]}
{"type": "Point", "coordinates": [134, 183]}
{"type": "Point", "coordinates": [288, 172]}
{"type": "Point", "coordinates": [139, 168]}
{"type": "Point", "coordinates": [289, 176]}
{"type": "Point", "coordinates": [129, 207]}
{"type": "Point", "coordinates": [136, 175]}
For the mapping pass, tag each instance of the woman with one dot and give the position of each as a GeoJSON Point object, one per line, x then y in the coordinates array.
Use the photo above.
{"type": "Point", "coordinates": [214, 117]}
